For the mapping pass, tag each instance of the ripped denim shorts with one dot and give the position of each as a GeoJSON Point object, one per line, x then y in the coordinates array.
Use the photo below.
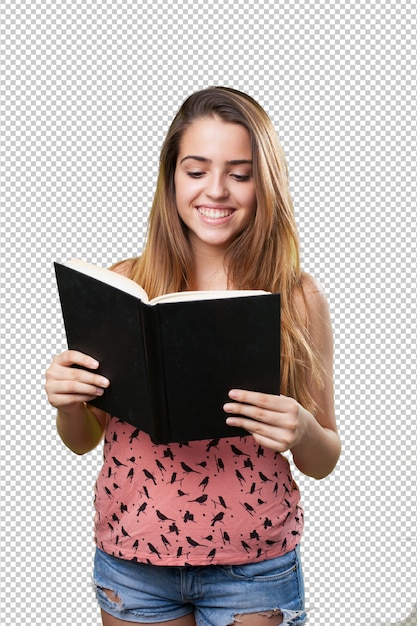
{"type": "Point", "coordinates": [215, 594]}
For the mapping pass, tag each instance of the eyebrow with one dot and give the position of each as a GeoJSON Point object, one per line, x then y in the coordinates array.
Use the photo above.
{"type": "Point", "coordinates": [205, 160]}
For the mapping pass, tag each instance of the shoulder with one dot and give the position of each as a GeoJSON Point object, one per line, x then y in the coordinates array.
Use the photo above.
{"type": "Point", "coordinates": [125, 268]}
{"type": "Point", "coordinates": [311, 298]}
{"type": "Point", "coordinates": [313, 291]}
{"type": "Point", "coordinates": [310, 285]}
{"type": "Point", "coordinates": [317, 310]}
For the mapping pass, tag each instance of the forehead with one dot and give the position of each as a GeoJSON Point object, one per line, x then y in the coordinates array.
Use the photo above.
{"type": "Point", "coordinates": [211, 136]}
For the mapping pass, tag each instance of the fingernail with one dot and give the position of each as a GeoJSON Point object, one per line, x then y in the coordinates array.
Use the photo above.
{"type": "Point", "coordinates": [99, 391]}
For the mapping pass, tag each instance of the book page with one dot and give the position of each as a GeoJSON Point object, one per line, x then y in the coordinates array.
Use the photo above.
{"type": "Point", "coordinates": [111, 278]}
{"type": "Point", "coordinates": [183, 296]}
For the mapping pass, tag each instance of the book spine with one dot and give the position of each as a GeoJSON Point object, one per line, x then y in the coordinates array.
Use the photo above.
{"type": "Point", "coordinates": [156, 377]}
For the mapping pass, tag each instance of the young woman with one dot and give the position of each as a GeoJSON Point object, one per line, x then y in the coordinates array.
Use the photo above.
{"type": "Point", "coordinates": [208, 532]}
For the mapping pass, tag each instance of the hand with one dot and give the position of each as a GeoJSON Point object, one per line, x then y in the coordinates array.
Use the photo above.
{"type": "Point", "coordinates": [277, 422]}
{"type": "Point", "coordinates": [67, 386]}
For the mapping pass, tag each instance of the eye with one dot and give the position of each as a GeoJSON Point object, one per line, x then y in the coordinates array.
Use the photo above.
{"type": "Point", "coordinates": [241, 177]}
{"type": "Point", "coordinates": [195, 174]}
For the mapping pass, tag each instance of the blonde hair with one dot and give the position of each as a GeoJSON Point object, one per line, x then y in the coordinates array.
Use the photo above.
{"type": "Point", "coordinates": [264, 256]}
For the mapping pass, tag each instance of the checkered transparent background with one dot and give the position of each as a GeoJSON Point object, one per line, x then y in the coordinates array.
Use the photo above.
{"type": "Point", "coordinates": [88, 90]}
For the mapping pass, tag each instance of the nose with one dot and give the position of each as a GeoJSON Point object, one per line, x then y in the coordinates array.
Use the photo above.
{"type": "Point", "coordinates": [217, 187]}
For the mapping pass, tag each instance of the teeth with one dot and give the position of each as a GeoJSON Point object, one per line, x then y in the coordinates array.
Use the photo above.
{"type": "Point", "coordinates": [214, 214]}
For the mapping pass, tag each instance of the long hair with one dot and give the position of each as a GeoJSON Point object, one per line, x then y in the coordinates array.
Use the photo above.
{"type": "Point", "coordinates": [264, 256]}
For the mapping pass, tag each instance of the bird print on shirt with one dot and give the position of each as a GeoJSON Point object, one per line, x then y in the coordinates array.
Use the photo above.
{"type": "Point", "coordinates": [199, 502]}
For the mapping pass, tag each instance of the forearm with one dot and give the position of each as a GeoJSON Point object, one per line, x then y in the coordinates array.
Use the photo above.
{"type": "Point", "coordinates": [79, 429]}
{"type": "Point", "coordinates": [318, 452]}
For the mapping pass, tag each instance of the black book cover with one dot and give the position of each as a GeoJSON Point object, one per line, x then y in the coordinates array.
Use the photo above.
{"type": "Point", "coordinates": [171, 364]}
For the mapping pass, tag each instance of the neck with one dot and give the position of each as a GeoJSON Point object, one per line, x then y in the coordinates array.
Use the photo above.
{"type": "Point", "coordinates": [209, 271]}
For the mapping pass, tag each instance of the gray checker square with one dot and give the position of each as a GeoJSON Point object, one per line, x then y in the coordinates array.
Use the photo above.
{"type": "Point", "coordinates": [87, 92]}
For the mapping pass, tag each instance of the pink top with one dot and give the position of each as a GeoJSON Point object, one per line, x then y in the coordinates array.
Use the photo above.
{"type": "Point", "coordinates": [225, 501]}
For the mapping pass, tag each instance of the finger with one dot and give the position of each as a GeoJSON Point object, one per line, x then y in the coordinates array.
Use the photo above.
{"type": "Point", "coordinates": [75, 388]}
{"type": "Point", "coordinates": [278, 403]}
{"type": "Point", "coordinates": [74, 357]}
{"type": "Point", "coordinates": [64, 393]}
{"type": "Point", "coordinates": [264, 434]}
{"type": "Point", "coordinates": [254, 412]}
{"type": "Point", "coordinates": [74, 374]}
{"type": "Point", "coordinates": [66, 385]}
{"type": "Point", "coordinates": [263, 400]}
{"type": "Point", "coordinates": [62, 368]}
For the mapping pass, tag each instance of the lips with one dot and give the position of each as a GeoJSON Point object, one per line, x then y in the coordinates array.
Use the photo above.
{"type": "Point", "coordinates": [214, 213]}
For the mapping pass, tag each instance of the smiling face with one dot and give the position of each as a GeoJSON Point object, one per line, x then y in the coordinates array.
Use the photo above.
{"type": "Point", "coordinates": [214, 186]}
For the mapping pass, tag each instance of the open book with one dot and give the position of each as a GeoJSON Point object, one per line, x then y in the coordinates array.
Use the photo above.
{"type": "Point", "coordinates": [171, 361]}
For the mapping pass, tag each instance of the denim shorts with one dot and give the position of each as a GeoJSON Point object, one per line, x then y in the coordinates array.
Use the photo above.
{"type": "Point", "coordinates": [215, 594]}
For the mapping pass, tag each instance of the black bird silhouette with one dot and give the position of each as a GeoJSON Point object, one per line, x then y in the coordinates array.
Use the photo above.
{"type": "Point", "coordinates": [163, 517]}
{"type": "Point", "coordinates": [145, 491]}
{"type": "Point", "coordinates": [264, 478]}
{"type": "Point", "coordinates": [160, 466]}
{"type": "Point", "coordinates": [149, 476]}
{"type": "Point", "coordinates": [173, 528]}
{"type": "Point", "coordinates": [219, 464]}
{"type": "Point", "coordinates": [201, 499]}
{"type": "Point", "coordinates": [211, 554]}
{"type": "Point", "coordinates": [204, 482]}
{"type": "Point", "coordinates": [187, 468]}
{"type": "Point", "coordinates": [134, 435]}
{"type": "Point", "coordinates": [225, 537]}
{"type": "Point", "coordinates": [217, 518]}
{"type": "Point", "coordinates": [248, 507]}
{"type": "Point", "coordinates": [154, 550]}
{"type": "Point", "coordinates": [238, 452]}
{"type": "Point", "coordinates": [141, 508]}
{"type": "Point", "coordinates": [117, 462]}
{"type": "Point", "coordinates": [248, 463]}
{"type": "Point", "coordinates": [194, 543]}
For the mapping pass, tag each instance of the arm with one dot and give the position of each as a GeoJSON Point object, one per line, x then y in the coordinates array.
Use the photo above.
{"type": "Point", "coordinates": [318, 452]}
{"type": "Point", "coordinates": [69, 389]}
{"type": "Point", "coordinates": [80, 426]}
{"type": "Point", "coordinates": [281, 423]}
